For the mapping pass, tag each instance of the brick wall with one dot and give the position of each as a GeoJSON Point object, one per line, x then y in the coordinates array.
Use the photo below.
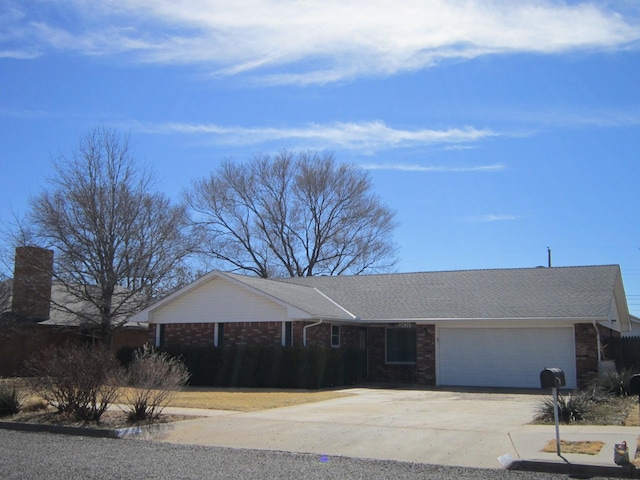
{"type": "Point", "coordinates": [32, 283]}
{"type": "Point", "coordinates": [28, 340]}
{"type": "Point", "coordinates": [130, 337]}
{"type": "Point", "coordinates": [586, 353]}
{"type": "Point", "coordinates": [426, 354]}
{"type": "Point", "coordinates": [253, 333]}
{"type": "Point", "coordinates": [349, 336]}
{"type": "Point", "coordinates": [187, 334]}
{"type": "Point", "coordinates": [297, 334]}
{"type": "Point", "coordinates": [319, 335]}
{"type": "Point", "coordinates": [237, 333]}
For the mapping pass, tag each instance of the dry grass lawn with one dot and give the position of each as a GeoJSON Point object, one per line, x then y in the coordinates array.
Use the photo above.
{"type": "Point", "coordinates": [249, 400]}
{"type": "Point", "coordinates": [633, 419]}
{"type": "Point", "coordinates": [241, 399]}
{"type": "Point", "coordinates": [584, 447]}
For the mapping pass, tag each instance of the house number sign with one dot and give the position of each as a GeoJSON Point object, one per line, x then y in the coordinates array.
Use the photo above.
{"type": "Point", "coordinates": [405, 325]}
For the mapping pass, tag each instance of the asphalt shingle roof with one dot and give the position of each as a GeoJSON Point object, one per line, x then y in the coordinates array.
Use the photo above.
{"type": "Point", "coordinates": [558, 292]}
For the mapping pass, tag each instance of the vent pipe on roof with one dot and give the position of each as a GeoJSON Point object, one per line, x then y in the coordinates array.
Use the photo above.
{"type": "Point", "coordinates": [549, 256]}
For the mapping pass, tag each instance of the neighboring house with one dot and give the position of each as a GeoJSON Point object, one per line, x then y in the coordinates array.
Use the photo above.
{"type": "Point", "coordinates": [493, 328]}
{"type": "Point", "coordinates": [635, 327]}
{"type": "Point", "coordinates": [33, 314]}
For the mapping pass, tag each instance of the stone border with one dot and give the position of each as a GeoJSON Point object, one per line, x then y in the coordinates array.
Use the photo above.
{"type": "Point", "coordinates": [79, 431]}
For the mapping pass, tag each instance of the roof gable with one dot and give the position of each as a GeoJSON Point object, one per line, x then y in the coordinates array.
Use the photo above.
{"type": "Point", "coordinates": [299, 301]}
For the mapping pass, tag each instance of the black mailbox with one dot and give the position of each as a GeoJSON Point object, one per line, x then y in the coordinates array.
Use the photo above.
{"type": "Point", "coordinates": [552, 378]}
{"type": "Point", "coordinates": [634, 385]}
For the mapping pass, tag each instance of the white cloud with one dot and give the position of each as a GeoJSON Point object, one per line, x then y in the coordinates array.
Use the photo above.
{"type": "Point", "coordinates": [365, 136]}
{"type": "Point", "coordinates": [318, 41]}
{"type": "Point", "coordinates": [19, 54]}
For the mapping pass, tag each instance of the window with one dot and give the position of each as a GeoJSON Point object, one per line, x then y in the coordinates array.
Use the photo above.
{"type": "Point", "coordinates": [335, 335]}
{"type": "Point", "coordinates": [288, 334]}
{"type": "Point", "coordinates": [218, 335]}
{"type": "Point", "coordinates": [160, 335]}
{"type": "Point", "coordinates": [401, 345]}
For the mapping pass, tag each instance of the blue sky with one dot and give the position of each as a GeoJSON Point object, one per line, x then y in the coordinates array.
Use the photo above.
{"type": "Point", "coordinates": [495, 129]}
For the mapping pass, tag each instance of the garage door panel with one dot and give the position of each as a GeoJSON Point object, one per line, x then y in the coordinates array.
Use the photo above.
{"type": "Point", "coordinates": [503, 357]}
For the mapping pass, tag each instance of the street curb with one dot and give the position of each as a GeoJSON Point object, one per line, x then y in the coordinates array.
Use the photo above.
{"type": "Point", "coordinates": [78, 431]}
{"type": "Point", "coordinates": [576, 469]}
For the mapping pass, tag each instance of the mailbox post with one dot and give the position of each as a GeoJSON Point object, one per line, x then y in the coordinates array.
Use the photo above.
{"type": "Point", "coordinates": [554, 378]}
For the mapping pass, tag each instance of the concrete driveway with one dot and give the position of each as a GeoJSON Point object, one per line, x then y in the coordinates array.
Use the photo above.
{"type": "Point", "coordinates": [464, 428]}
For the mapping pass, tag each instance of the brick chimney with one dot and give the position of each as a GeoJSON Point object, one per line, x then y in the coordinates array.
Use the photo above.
{"type": "Point", "coordinates": [32, 283]}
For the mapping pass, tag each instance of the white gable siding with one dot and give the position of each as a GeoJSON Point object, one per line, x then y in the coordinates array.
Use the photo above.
{"type": "Point", "coordinates": [614, 317]}
{"type": "Point", "coordinates": [219, 301]}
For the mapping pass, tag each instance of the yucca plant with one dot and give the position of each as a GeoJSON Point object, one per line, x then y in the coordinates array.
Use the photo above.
{"type": "Point", "coordinates": [571, 408]}
{"type": "Point", "coordinates": [10, 400]}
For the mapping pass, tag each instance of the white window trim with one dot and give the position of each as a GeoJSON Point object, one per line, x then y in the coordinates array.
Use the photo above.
{"type": "Point", "coordinates": [283, 336]}
{"type": "Point", "coordinates": [215, 334]}
{"type": "Point", "coordinates": [284, 333]}
{"type": "Point", "coordinates": [339, 336]}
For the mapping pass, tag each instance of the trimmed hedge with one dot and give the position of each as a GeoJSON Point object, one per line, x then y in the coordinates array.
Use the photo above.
{"type": "Point", "coordinates": [272, 367]}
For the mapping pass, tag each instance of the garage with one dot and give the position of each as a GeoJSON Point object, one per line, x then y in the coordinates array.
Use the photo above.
{"type": "Point", "coordinates": [503, 357]}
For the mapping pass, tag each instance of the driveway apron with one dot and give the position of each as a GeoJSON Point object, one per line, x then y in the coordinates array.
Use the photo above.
{"type": "Point", "coordinates": [463, 428]}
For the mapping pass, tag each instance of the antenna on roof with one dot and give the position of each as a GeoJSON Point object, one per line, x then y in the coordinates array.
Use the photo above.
{"type": "Point", "coordinates": [549, 255]}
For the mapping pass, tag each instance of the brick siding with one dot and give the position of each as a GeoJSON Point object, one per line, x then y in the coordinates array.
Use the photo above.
{"type": "Point", "coordinates": [237, 333]}
{"type": "Point", "coordinates": [187, 334]}
{"type": "Point", "coordinates": [319, 335]}
{"type": "Point", "coordinates": [426, 354]}
{"type": "Point", "coordinates": [586, 353]}
{"type": "Point", "coordinates": [253, 333]}
{"type": "Point", "coordinates": [349, 336]}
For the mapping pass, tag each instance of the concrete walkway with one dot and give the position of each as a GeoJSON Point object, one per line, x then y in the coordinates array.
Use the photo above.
{"type": "Point", "coordinates": [466, 428]}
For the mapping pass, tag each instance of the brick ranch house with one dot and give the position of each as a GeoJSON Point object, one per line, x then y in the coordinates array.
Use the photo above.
{"type": "Point", "coordinates": [32, 317]}
{"type": "Point", "coordinates": [489, 328]}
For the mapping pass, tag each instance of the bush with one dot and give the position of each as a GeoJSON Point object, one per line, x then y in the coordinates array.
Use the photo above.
{"type": "Point", "coordinates": [272, 366]}
{"type": "Point", "coordinates": [10, 400]}
{"type": "Point", "coordinates": [125, 355]}
{"type": "Point", "coordinates": [571, 408]}
{"type": "Point", "coordinates": [76, 379]}
{"type": "Point", "coordinates": [153, 377]}
{"type": "Point", "coordinates": [596, 395]}
{"type": "Point", "coordinates": [616, 383]}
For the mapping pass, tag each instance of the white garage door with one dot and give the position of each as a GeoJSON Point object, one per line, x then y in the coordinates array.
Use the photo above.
{"type": "Point", "coordinates": [503, 357]}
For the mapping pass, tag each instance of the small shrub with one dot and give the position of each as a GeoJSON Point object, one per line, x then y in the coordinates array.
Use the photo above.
{"type": "Point", "coordinates": [125, 355]}
{"type": "Point", "coordinates": [616, 383]}
{"type": "Point", "coordinates": [571, 408]}
{"type": "Point", "coordinates": [596, 395]}
{"type": "Point", "coordinates": [10, 400]}
{"type": "Point", "coordinates": [153, 377]}
{"type": "Point", "coordinates": [33, 403]}
{"type": "Point", "coordinates": [76, 379]}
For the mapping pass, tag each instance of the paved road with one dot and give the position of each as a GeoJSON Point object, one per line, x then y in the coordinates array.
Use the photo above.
{"type": "Point", "coordinates": [60, 457]}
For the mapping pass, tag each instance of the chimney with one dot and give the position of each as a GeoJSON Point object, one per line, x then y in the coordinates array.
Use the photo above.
{"type": "Point", "coordinates": [32, 283]}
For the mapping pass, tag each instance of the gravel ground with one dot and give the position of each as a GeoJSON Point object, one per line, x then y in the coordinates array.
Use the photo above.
{"type": "Point", "coordinates": [52, 457]}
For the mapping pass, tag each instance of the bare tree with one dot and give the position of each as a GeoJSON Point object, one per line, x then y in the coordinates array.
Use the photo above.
{"type": "Point", "coordinates": [115, 241]}
{"type": "Point", "coordinates": [293, 215]}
